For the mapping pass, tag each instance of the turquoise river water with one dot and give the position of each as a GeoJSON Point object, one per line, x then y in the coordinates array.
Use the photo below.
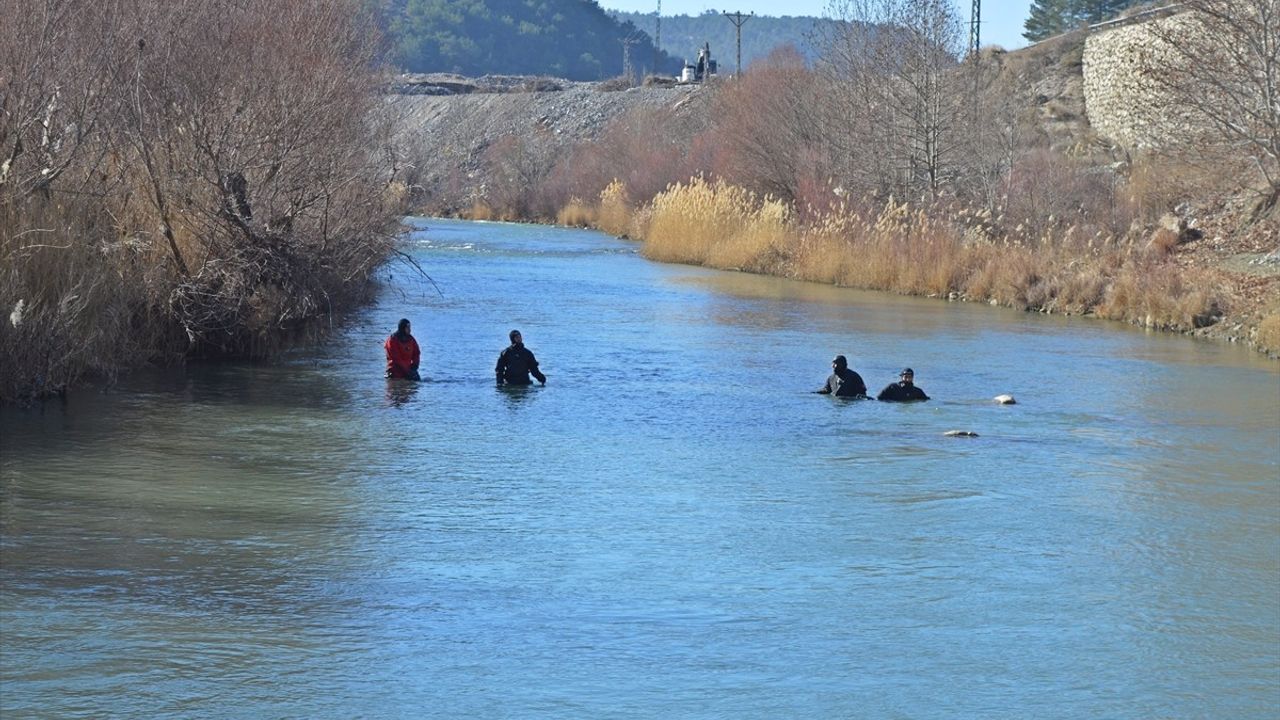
{"type": "Point", "coordinates": [674, 527]}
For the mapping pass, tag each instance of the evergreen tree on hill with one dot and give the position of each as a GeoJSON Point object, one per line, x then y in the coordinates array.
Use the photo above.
{"type": "Point", "coordinates": [1054, 17]}
{"type": "Point", "coordinates": [574, 39]}
{"type": "Point", "coordinates": [1047, 18]}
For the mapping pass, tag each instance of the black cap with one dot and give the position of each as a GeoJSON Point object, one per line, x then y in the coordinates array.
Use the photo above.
{"type": "Point", "coordinates": [906, 371]}
{"type": "Point", "coordinates": [840, 361]}
{"type": "Point", "coordinates": [513, 334]}
{"type": "Point", "coordinates": [403, 322]}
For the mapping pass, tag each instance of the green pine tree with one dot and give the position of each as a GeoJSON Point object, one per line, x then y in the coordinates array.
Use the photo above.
{"type": "Point", "coordinates": [1095, 11]}
{"type": "Point", "coordinates": [1053, 17]}
{"type": "Point", "coordinates": [1048, 18]}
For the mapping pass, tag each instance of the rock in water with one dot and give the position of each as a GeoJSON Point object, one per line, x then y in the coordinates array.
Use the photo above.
{"type": "Point", "coordinates": [960, 433]}
{"type": "Point", "coordinates": [1005, 400]}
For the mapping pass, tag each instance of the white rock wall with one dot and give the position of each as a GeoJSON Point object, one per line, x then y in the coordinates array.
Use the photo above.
{"type": "Point", "coordinates": [1123, 103]}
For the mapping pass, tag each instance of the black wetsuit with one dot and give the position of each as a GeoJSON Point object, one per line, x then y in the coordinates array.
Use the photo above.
{"type": "Point", "coordinates": [515, 364]}
{"type": "Point", "coordinates": [844, 383]}
{"type": "Point", "coordinates": [901, 392]}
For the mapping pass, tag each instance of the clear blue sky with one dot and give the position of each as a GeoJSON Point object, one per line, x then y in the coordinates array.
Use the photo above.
{"type": "Point", "coordinates": [1001, 19]}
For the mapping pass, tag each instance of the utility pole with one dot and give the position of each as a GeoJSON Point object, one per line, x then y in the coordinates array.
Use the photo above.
{"type": "Point", "coordinates": [657, 37]}
{"type": "Point", "coordinates": [626, 58]}
{"type": "Point", "coordinates": [975, 23]}
{"type": "Point", "coordinates": [738, 19]}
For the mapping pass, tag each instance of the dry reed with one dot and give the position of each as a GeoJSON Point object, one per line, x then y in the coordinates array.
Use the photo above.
{"type": "Point", "coordinates": [1269, 334]}
{"type": "Point", "coordinates": [910, 251]}
{"type": "Point", "coordinates": [718, 225]}
{"type": "Point", "coordinates": [613, 213]}
{"type": "Point", "coordinates": [576, 214]}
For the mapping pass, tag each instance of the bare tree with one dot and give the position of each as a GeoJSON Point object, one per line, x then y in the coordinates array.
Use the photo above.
{"type": "Point", "coordinates": [895, 94]}
{"type": "Point", "coordinates": [515, 166]}
{"type": "Point", "coordinates": [990, 132]}
{"type": "Point", "coordinates": [1219, 63]}
{"type": "Point", "coordinates": [53, 91]}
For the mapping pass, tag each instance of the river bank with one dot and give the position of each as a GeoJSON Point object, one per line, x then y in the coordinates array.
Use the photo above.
{"type": "Point", "coordinates": [1221, 286]}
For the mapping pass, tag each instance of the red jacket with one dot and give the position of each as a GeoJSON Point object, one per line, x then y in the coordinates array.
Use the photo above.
{"type": "Point", "coordinates": [402, 356]}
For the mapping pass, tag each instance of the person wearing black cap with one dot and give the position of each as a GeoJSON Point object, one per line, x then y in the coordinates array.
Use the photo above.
{"type": "Point", "coordinates": [516, 363]}
{"type": "Point", "coordinates": [904, 390]}
{"type": "Point", "coordinates": [843, 382]}
{"type": "Point", "coordinates": [403, 354]}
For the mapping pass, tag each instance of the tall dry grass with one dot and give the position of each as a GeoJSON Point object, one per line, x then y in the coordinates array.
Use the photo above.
{"type": "Point", "coordinates": [576, 214]}
{"type": "Point", "coordinates": [711, 223]}
{"type": "Point", "coordinates": [1269, 334]}
{"type": "Point", "coordinates": [613, 213]}
{"type": "Point", "coordinates": [902, 249]}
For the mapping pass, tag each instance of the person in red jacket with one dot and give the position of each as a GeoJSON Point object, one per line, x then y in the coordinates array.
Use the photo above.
{"type": "Point", "coordinates": [402, 353]}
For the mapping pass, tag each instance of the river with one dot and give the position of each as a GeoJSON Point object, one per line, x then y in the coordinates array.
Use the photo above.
{"type": "Point", "coordinates": [675, 526]}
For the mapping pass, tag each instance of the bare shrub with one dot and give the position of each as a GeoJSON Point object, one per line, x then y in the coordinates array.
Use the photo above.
{"type": "Point", "coordinates": [1047, 192]}
{"type": "Point", "coordinates": [514, 165]}
{"type": "Point", "coordinates": [615, 84]}
{"type": "Point", "coordinates": [212, 173]}
{"type": "Point", "coordinates": [1159, 181]}
{"type": "Point", "coordinates": [771, 134]}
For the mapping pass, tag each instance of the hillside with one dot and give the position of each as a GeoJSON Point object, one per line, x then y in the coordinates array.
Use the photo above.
{"type": "Point", "coordinates": [682, 35]}
{"type": "Point", "coordinates": [565, 38]}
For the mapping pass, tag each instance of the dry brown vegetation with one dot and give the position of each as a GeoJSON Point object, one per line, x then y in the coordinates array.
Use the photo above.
{"type": "Point", "coordinates": [897, 163]}
{"type": "Point", "coordinates": [900, 249]}
{"type": "Point", "coordinates": [182, 176]}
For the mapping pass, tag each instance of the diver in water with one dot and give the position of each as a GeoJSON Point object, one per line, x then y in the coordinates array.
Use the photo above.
{"type": "Point", "coordinates": [843, 382]}
{"type": "Point", "coordinates": [403, 354]}
{"type": "Point", "coordinates": [516, 363]}
{"type": "Point", "coordinates": [904, 390]}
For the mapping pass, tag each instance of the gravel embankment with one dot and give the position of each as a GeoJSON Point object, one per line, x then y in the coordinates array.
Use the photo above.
{"type": "Point", "coordinates": [447, 134]}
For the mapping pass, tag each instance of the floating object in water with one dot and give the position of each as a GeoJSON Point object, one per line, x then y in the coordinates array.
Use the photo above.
{"type": "Point", "coordinates": [960, 433]}
{"type": "Point", "coordinates": [1005, 400]}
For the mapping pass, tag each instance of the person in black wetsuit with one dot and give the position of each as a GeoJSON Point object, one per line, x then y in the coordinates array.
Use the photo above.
{"type": "Point", "coordinates": [516, 363]}
{"type": "Point", "coordinates": [904, 390]}
{"type": "Point", "coordinates": [843, 382]}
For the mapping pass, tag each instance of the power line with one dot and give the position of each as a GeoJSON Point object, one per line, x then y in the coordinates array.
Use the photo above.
{"type": "Point", "coordinates": [738, 19]}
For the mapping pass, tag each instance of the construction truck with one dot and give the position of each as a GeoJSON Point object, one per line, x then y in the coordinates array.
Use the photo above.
{"type": "Point", "coordinates": [701, 71]}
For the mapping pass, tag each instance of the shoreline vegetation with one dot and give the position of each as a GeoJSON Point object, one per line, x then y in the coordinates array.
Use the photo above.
{"type": "Point", "coordinates": [215, 178]}
{"type": "Point", "coordinates": [184, 178]}
{"type": "Point", "coordinates": [882, 168]}
{"type": "Point", "coordinates": [907, 251]}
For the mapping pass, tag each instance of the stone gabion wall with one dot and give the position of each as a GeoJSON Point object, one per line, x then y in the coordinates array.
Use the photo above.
{"type": "Point", "coordinates": [1123, 103]}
